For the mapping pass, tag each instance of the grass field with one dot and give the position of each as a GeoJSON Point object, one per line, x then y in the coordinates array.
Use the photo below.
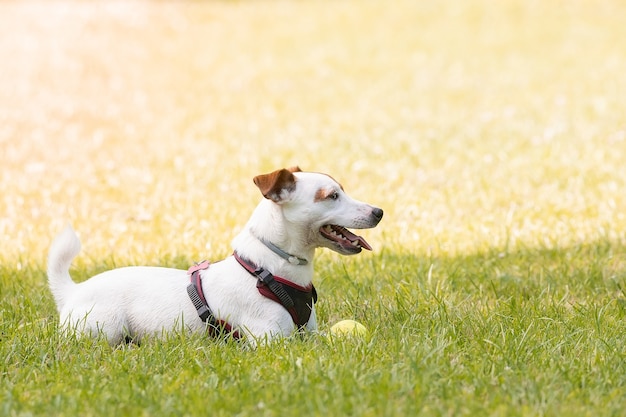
{"type": "Point", "coordinates": [493, 134]}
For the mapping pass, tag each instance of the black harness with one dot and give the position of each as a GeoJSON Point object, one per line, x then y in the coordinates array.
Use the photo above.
{"type": "Point", "coordinates": [297, 300]}
{"type": "Point", "coordinates": [194, 290]}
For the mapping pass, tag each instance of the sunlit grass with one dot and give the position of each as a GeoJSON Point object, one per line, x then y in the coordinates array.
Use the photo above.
{"type": "Point", "coordinates": [493, 134]}
{"type": "Point", "coordinates": [474, 125]}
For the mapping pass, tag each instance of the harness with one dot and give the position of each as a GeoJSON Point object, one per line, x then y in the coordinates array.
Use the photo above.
{"type": "Point", "coordinates": [297, 300]}
{"type": "Point", "coordinates": [194, 289]}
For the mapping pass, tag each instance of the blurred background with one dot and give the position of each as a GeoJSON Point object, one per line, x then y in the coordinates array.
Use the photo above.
{"type": "Point", "coordinates": [474, 124]}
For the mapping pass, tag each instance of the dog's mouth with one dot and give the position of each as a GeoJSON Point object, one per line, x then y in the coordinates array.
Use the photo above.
{"type": "Point", "coordinates": [344, 238]}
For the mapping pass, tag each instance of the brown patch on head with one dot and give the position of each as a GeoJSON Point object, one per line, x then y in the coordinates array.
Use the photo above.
{"type": "Point", "coordinates": [322, 194]}
{"type": "Point", "coordinates": [328, 193]}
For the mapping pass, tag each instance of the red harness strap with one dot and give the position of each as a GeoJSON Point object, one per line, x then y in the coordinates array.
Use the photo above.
{"type": "Point", "coordinates": [297, 300]}
{"type": "Point", "coordinates": [216, 327]}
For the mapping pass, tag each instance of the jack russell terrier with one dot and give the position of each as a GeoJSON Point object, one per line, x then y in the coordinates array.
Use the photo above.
{"type": "Point", "coordinates": [261, 292]}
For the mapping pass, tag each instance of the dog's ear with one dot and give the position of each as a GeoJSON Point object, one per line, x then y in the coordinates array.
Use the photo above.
{"type": "Point", "coordinates": [275, 185]}
{"type": "Point", "coordinates": [295, 169]}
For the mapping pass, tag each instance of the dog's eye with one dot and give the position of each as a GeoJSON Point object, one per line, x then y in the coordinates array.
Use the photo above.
{"type": "Point", "coordinates": [333, 196]}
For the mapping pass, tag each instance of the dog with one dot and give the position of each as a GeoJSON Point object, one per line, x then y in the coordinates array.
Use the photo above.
{"type": "Point", "coordinates": [243, 294]}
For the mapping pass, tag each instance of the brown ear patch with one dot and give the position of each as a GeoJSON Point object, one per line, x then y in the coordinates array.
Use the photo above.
{"type": "Point", "coordinates": [275, 184]}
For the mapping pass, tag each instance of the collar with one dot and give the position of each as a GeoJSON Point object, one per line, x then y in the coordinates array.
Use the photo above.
{"type": "Point", "coordinates": [292, 259]}
{"type": "Point", "coordinates": [266, 276]}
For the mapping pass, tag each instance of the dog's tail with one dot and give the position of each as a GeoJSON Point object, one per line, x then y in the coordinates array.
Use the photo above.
{"type": "Point", "coordinates": [63, 250]}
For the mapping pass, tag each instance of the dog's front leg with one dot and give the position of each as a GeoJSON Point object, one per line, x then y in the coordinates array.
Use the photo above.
{"type": "Point", "coordinates": [263, 331]}
{"type": "Point", "coordinates": [311, 325]}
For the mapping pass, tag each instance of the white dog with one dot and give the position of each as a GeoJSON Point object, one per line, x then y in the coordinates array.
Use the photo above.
{"type": "Point", "coordinates": [243, 294]}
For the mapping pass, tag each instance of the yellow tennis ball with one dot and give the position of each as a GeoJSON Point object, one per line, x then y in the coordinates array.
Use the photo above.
{"type": "Point", "coordinates": [348, 328]}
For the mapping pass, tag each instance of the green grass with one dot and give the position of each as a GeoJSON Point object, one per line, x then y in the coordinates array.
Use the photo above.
{"type": "Point", "coordinates": [491, 133]}
{"type": "Point", "coordinates": [534, 332]}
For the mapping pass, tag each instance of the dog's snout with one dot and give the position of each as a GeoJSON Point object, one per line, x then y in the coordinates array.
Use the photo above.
{"type": "Point", "coordinates": [378, 213]}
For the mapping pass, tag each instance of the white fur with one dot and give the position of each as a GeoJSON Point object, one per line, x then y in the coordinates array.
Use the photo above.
{"type": "Point", "coordinates": [138, 301]}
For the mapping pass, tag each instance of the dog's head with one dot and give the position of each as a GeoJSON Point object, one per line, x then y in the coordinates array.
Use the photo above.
{"type": "Point", "coordinates": [319, 205]}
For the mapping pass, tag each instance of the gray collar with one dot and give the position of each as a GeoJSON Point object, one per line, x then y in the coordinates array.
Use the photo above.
{"type": "Point", "coordinates": [292, 259]}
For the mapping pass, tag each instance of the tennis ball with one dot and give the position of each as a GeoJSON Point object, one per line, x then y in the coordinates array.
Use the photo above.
{"type": "Point", "coordinates": [348, 328]}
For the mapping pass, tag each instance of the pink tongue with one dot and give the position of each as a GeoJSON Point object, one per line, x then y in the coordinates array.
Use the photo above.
{"type": "Point", "coordinates": [351, 236]}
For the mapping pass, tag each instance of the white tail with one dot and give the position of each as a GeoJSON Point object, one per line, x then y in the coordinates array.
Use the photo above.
{"type": "Point", "coordinates": [63, 250]}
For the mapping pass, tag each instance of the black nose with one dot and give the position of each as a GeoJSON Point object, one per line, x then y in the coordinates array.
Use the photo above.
{"type": "Point", "coordinates": [378, 213]}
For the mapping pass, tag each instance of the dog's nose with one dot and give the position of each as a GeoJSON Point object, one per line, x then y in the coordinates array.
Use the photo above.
{"type": "Point", "coordinates": [378, 213]}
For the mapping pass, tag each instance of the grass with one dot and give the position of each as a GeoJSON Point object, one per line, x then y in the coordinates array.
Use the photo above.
{"type": "Point", "coordinates": [527, 333]}
{"type": "Point", "coordinates": [493, 135]}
